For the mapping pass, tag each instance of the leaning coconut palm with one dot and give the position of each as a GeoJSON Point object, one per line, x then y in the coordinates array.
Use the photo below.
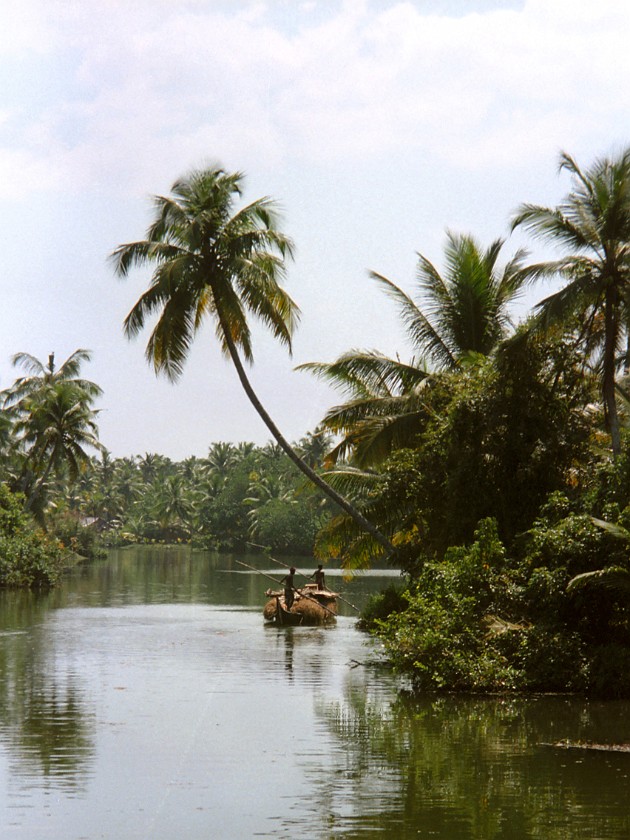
{"type": "Point", "coordinates": [213, 262]}
{"type": "Point", "coordinates": [593, 222]}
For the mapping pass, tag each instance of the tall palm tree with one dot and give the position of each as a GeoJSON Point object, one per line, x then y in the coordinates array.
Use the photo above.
{"type": "Point", "coordinates": [55, 428]}
{"type": "Point", "coordinates": [461, 313]}
{"type": "Point", "coordinates": [213, 262]}
{"type": "Point", "coordinates": [593, 222]}
{"type": "Point", "coordinates": [465, 310]}
{"type": "Point", "coordinates": [53, 419]}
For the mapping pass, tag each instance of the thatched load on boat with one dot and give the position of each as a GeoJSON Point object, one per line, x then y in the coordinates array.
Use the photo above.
{"type": "Point", "coordinates": [311, 606]}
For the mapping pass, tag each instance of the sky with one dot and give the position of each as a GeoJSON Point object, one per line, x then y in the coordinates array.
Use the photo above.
{"type": "Point", "coordinates": [376, 126]}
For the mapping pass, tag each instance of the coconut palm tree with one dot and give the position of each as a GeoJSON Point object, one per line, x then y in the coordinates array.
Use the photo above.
{"type": "Point", "coordinates": [39, 376]}
{"type": "Point", "coordinates": [53, 420]}
{"type": "Point", "coordinates": [593, 222]}
{"type": "Point", "coordinates": [221, 457]}
{"type": "Point", "coordinates": [460, 314]}
{"type": "Point", "coordinates": [54, 428]}
{"type": "Point", "coordinates": [212, 261]}
{"type": "Point", "coordinates": [173, 505]}
{"type": "Point", "coordinates": [465, 310]}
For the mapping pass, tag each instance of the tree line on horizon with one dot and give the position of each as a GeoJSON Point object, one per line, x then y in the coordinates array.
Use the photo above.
{"type": "Point", "coordinates": [461, 465]}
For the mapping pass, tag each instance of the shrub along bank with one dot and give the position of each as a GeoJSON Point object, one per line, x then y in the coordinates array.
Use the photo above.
{"type": "Point", "coordinates": [28, 556]}
{"type": "Point", "coordinates": [481, 621]}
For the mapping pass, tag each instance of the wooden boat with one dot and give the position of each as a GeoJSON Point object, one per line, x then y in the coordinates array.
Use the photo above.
{"type": "Point", "coordinates": [311, 606]}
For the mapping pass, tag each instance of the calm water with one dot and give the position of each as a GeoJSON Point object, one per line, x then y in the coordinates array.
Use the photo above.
{"type": "Point", "coordinates": [145, 698]}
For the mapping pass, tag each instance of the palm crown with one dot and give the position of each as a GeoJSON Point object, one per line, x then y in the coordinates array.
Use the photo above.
{"type": "Point", "coordinates": [465, 309]}
{"type": "Point", "coordinates": [209, 261]}
{"type": "Point", "coordinates": [462, 312]}
{"type": "Point", "coordinates": [593, 222]}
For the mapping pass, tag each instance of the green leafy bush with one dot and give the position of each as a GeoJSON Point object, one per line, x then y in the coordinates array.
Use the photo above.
{"type": "Point", "coordinates": [28, 558]}
{"type": "Point", "coordinates": [381, 605]}
{"type": "Point", "coordinates": [480, 621]}
{"type": "Point", "coordinates": [441, 640]}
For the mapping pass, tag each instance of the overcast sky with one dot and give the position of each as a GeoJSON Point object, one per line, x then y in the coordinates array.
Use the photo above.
{"type": "Point", "coordinates": [375, 125]}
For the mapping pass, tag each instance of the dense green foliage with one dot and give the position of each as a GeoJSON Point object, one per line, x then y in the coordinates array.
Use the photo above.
{"type": "Point", "coordinates": [234, 496]}
{"type": "Point", "coordinates": [480, 620]}
{"type": "Point", "coordinates": [27, 556]}
{"type": "Point", "coordinates": [508, 508]}
{"type": "Point", "coordinates": [492, 468]}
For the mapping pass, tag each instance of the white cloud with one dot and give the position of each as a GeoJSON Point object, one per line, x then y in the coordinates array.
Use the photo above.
{"type": "Point", "coordinates": [378, 124]}
{"type": "Point", "coordinates": [150, 89]}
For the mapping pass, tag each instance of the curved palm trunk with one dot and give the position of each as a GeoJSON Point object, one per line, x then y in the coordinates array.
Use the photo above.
{"type": "Point", "coordinates": [344, 504]}
{"type": "Point", "coordinates": [38, 487]}
{"type": "Point", "coordinates": [608, 379]}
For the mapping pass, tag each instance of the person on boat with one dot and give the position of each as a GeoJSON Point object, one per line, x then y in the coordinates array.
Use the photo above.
{"type": "Point", "coordinates": [289, 588]}
{"type": "Point", "coordinates": [320, 577]}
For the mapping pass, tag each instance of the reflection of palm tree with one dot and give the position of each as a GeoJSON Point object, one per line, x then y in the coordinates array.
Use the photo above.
{"type": "Point", "coordinates": [213, 262]}
{"type": "Point", "coordinates": [594, 222]}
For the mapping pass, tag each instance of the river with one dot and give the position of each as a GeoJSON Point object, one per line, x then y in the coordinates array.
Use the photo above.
{"type": "Point", "coordinates": [145, 699]}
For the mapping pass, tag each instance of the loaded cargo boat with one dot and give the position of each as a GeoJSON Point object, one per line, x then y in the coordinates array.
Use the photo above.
{"type": "Point", "coordinates": [311, 606]}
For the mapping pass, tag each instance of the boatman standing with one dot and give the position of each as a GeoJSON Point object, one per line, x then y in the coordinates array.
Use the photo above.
{"type": "Point", "coordinates": [319, 576]}
{"type": "Point", "coordinates": [289, 588]}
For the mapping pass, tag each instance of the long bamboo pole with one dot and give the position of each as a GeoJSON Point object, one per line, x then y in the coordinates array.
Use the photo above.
{"type": "Point", "coordinates": [273, 560]}
{"type": "Point", "coordinates": [299, 591]}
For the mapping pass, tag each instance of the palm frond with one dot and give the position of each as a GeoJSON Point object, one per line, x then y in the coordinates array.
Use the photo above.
{"type": "Point", "coordinates": [614, 579]}
{"type": "Point", "coordinates": [421, 332]}
{"type": "Point", "coordinates": [364, 374]}
{"type": "Point", "coordinates": [617, 531]}
{"type": "Point", "coordinates": [550, 223]}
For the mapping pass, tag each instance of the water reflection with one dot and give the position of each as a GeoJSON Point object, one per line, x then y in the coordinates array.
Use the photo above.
{"type": "Point", "coordinates": [474, 768]}
{"type": "Point", "coordinates": [145, 698]}
{"type": "Point", "coordinates": [304, 650]}
{"type": "Point", "coordinates": [45, 724]}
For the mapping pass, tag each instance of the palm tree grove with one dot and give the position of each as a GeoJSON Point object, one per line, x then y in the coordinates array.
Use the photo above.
{"type": "Point", "coordinates": [490, 464]}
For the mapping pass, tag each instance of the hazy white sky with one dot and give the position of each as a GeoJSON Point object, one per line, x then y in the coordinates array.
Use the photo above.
{"type": "Point", "coordinates": [376, 125]}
